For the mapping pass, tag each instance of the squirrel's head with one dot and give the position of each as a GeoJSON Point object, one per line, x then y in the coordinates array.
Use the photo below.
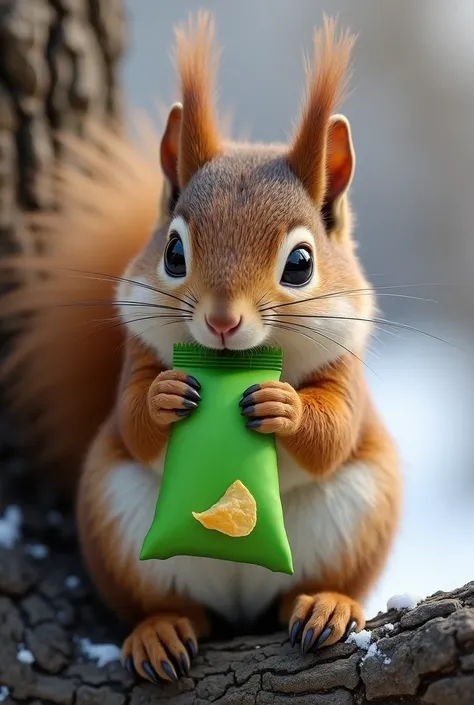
{"type": "Point", "coordinates": [255, 246]}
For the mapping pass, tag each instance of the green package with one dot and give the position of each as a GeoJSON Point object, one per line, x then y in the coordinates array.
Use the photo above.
{"type": "Point", "coordinates": [208, 452]}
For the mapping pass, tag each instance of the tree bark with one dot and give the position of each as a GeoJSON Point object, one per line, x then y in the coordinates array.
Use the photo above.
{"type": "Point", "coordinates": [48, 605]}
{"type": "Point", "coordinates": [58, 67]}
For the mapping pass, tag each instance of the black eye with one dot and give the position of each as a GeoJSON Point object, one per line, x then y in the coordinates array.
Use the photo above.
{"type": "Point", "coordinates": [298, 267]}
{"type": "Point", "coordinates": [175, 261]}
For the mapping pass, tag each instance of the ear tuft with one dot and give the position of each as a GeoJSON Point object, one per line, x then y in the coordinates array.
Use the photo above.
{"type": "Point", "coordinates": [327, 78]}
{"type": "Point", "coordinates": [196, 57]}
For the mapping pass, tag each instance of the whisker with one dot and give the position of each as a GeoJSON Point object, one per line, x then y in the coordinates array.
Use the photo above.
{"type": "Point", "coordinates": [366, 291]}
{"type": "Point", "coordinates": [113, 302]}
{"type": "Point", "coordinates": [327, 337]}
{"type": "Point", "coordinates": [378, 321]}
{"type": "Point", "coordinates": [110, 319]}
{"type": "Point", "coordinates": [124, 323]}
{"type": "Point", "coordinates": [110, 277]}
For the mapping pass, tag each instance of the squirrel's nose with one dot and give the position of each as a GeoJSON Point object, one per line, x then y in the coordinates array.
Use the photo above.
{"type": "Point", "coordinates": [221, 325]}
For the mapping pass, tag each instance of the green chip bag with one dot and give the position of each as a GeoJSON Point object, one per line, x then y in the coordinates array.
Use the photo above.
{"type": "Point", "coordinates": [212, 453]}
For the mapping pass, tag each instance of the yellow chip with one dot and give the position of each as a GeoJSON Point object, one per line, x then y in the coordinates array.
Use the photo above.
{"type": "Point", "coordinates": [235, 514]}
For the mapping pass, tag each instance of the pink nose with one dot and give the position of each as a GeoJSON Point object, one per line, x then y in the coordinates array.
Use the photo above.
{"type": "Point", "coordinates": [223, 326]}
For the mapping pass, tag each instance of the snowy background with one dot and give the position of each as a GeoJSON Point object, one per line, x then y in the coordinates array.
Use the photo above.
{"type": "Point", "coordinates": [412, 114]}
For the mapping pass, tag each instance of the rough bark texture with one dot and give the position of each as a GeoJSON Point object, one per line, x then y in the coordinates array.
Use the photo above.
{"type": "Point", "coordinates": [58, 66]}
{"type": "Point", "coordinates": [427, 657]}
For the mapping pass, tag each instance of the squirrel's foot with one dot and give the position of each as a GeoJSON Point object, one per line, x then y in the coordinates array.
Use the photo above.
{"type": "Point", "coordinates": [322, 619]}
{"type": "Point", "coordinates": [161, 647]}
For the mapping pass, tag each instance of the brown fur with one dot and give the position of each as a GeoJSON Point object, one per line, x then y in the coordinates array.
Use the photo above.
{"type": "Point", "coordinates": [239, 202]}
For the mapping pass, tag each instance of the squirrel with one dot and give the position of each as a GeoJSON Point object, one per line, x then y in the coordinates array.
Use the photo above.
{"type": "Point", "coordinates": [192, 237]}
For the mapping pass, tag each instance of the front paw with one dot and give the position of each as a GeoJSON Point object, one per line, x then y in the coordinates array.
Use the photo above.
{"type": "Point", "coordinates": [323, 619]}
{"type": "Point", "coordinates": [273, 407]}
{"type": "Point", "coordinates": [173, 396]}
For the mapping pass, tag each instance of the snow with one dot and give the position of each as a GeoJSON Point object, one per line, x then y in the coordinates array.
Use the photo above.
{"type": "Point", "coordinates": [37, 550]}
{"type": "Point", "coordinates": [102, 653]}
{"type": "Point", "coordinates": [4, 693]}
{"type": "Point", "coordinates": [407, 600]}
{"type": "Point", "coordinates": [72, 582]}
{"type": "Point", "coordinates": [10, 526]}
{"type": "Point", "coordinates": [389, 627]}
{"type": "Point", "coordinates": [360, 639]}
{"type": "Point", "coordinates": [24, 655]}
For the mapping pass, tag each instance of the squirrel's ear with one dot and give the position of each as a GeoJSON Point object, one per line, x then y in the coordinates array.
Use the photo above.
{"type": "Point", "coordinates": [340, 164]}
{"type": "Point", "coordinates": [170, 145]}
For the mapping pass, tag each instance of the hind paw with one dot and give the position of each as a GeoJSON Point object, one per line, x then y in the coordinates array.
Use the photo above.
{"type": "Point", "coordinates": [323, 619]}
{"type": "Point", "coordinates": [161, 648]}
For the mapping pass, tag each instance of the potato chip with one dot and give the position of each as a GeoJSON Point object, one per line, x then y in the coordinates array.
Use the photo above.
{"type": "Point", "coordinates": [235, 514]}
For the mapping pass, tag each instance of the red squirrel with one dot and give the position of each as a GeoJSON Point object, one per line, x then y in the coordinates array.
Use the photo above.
{"type": "Point", "coordinates": [229, 245]}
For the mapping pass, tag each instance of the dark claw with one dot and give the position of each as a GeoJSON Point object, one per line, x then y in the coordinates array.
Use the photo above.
{"type": "Point", "coordinates": [182, 412]}
{"type": "Point", "coordinates": [246, 400]}
{"type": "Point", "coordinates": [191, 393]}
{"type": "Point", "coordinates": [188, 404]}
{"type": "Point", "coordinates": [150, 671]}
{"type": "Point", "coordinates": [248, 410]}
{"type": "Point", "coordinates": [192, 381]}
{"type": "Point", "coordinates": [323, 637]}
{"type": "Point", "coordinates": [169, 670]}
{"type": "Point", "coordinates": [295, 633]}
{"type": "Point", "coordinates": [349, 629]}
{"type": "Point", "coordinates": [307, 641]}
{"type": "Point", "coordinates": [254, 423]}
{"type": "Point", "coordinates": [192, 648]}
{"type": "Point", "coordinates": [251, 390]}
{"type": "Point", "coordinates": [184, 665]}
{"type": "Point", "coordinates": [128, 665]}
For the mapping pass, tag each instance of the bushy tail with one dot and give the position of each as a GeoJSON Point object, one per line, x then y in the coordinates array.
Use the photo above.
{"type": "Point", "coordinates": [62, 368]}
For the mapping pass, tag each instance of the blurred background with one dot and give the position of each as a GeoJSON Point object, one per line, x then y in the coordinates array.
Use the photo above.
{"type": "Point", "coordinates": [412, 114]}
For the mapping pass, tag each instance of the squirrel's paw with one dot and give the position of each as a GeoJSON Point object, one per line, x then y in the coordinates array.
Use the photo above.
{"type": "Point", "coordinates": [322, 619]}
{"type": "Point", "coordinates": [160, 647]}
{"type": "Point", "coordinates": [173, 396]}
{"type": "Point", "coordinates": [273, 407]}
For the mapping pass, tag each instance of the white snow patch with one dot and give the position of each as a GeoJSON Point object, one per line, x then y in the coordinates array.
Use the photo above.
{"type": "Point", "coordinates": [37, 550]}
{"type": "Point", "coordinates": [407, 601]}
{"type": "Point", "coordinates": [72, 582]}
{"type": "Point", "coordinates": [102, 653]}
{"type": "Point", "coordinates": [24, 655]}
{"type": "Point", "coordinates": [10, 526]}
{"type": "Point", "coordinates": [360, 639]}
{"type": "Point", "coordinates": [4, 693]}
{"type": "Point", "coordinates": [389, 627]}
{"type": "Point", "coordinates": [372, 652]}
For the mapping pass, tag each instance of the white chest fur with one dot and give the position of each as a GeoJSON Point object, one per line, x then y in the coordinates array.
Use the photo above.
{"type": "Point", "coordinates": [320, 519]}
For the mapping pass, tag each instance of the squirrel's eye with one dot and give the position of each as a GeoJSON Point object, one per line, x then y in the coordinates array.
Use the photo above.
{"type": "Point", "coordinates": [298, 267]}
{"type": "Point", "coordinates": [175, 261]}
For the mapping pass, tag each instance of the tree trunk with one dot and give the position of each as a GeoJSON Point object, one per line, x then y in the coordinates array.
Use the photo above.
{"type": "Point", "coordinates": [58, 67]}
{"type": "Point", "coordinates": [47, 606]}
